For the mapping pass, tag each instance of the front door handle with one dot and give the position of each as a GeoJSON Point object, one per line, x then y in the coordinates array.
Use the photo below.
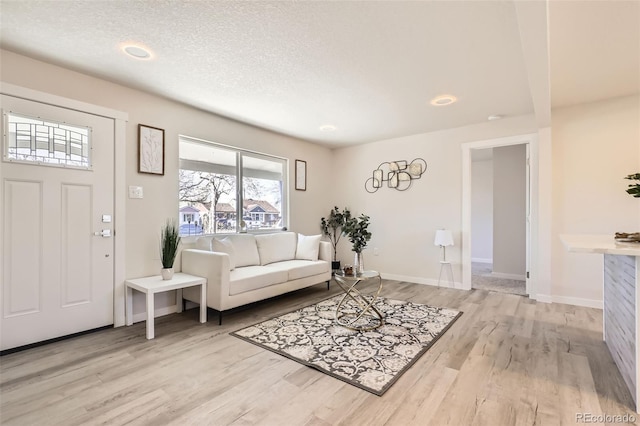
{"type": "Point", "coordinates": [106, 233]}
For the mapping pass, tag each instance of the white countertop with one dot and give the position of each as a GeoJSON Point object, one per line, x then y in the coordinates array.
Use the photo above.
{"type": "Point", "coordinates": [599, 244]}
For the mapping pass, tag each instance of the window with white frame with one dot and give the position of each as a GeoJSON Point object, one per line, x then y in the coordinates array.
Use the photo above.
{"type": "Point", "coordinates": [233, 190]}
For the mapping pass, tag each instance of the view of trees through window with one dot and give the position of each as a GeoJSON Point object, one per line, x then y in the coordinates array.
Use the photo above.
{"type": "Point", "coordinates": [209, 196]}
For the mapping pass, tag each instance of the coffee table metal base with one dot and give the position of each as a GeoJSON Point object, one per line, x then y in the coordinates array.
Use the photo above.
{"type": "Point", "coordinates": [366, 316]}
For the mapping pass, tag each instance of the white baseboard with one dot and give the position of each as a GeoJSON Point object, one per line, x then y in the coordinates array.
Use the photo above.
{"type": "Point", "coordinates": [159, 312]}
{"type": "Point", "coordinates": [419, 280]}
{"type": "Point", "coordinates": [544, 298]}
{"type": "Point", "coordinates": [481, 260]}
{"type": "Point", "coordinates": [508, 276]}
{"type": "Point", "coordinates": [577, 301]}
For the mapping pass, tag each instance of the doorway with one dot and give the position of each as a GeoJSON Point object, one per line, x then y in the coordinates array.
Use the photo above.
{"type": "Point", "coordinates": [530, 142]}
{"type": "Point", "coordinates": [498, 219]}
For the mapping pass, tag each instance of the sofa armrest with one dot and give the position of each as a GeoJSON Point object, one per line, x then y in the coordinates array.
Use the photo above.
{"type": "Point", "coordinates": [325, 251]}
{"type": "Point", "coordinates": [214, 267]}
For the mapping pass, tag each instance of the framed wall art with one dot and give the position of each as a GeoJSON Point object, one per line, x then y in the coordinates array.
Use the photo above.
{"type": "Point", "coordinates": [301, 175]}
{"type": "Point", "coordinates": [150, 150]}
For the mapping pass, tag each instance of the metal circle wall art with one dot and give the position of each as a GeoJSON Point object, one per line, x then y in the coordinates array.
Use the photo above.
{"type": "Point", "coordinates": [398, 174]}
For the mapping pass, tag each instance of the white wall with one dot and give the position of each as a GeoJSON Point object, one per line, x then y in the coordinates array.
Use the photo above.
{"type": "Point", "coordinates": [594, 146]}
{"type": "Point", "coordinates": [144, 217]}
{"type": "Point", "coordinates": [509, 210]}
{"type": "Point", "coordinates": [589, 149]}
{"type": "Point", "coordinates": [482, 210]}
{"type": "Point", "coordinates": [404, 223]}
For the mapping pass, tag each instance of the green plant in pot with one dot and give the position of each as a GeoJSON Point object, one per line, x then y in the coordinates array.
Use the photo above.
{"type": "Point", "coordinates": [169, 242]}
{"type": "Point", "coordinates": [634, 189]}
{"type": "Point", "coordinates": [356, 229]}
{"type": "Point", "coordinates": [333, 228]}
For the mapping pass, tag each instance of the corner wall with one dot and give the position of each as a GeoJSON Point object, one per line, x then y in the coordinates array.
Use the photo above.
{"type": "Point", "coordinates": [594, 146]}
{"type": "Point", "coordinates": [510, 211]}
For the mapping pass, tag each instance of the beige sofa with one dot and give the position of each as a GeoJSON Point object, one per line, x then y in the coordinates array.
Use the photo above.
{"type": "Point", "coordinates": [245, 268]}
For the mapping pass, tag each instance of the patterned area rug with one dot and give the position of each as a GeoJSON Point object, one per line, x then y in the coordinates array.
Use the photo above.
{"type": "Point", "coordinates": [371, 360]}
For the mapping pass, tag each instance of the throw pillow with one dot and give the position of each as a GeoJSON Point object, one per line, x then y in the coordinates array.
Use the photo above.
{"type": "Point", "coordinates": [246, 250]}
{"type": "Point", "coordinates": [203, 243]}
{"type": "Point", "coordinates": [308, 247]}
{"type": "Point", "coordinates": [276, 247]}
{"type": "Point", "coordinates": [225, 246]}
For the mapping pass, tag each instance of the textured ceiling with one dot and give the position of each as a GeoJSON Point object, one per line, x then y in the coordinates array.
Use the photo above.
{"type": "Point", "coordinates": [368, 68]}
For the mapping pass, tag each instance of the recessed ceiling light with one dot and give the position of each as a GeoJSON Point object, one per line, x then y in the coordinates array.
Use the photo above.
{"type": "Point", "coordinates": [328, 128]}
{"type": "Point", "coordinates": [443, 100]}
{"type": "Point", "coordinates": [136, 51]}
{"type": "Point", "coordinates": [494, 117]}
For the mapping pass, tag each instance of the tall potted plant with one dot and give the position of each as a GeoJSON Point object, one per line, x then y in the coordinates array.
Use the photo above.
{"type": "Point", "coordinates": [169, 242]}
{"type": "Point", "coordinates": [356, 229]}
{"type": "Point", "coordinates": [333, 228]}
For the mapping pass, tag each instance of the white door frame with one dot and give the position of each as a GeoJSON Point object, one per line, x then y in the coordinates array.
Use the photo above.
{"type": "Point", "coordinates": [120, 126]}
{"type": "Point", "coordinates": [532, 243]}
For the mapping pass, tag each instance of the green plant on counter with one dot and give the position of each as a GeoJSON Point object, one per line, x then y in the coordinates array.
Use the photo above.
{"type": "Point", "coordinates": [634, 189]}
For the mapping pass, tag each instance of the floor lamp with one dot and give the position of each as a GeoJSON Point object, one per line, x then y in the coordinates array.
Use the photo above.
{"type": "Point", "coordinates": [444, 238]}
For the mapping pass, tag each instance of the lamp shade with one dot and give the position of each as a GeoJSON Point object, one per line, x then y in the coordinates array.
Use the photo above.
{"type": "Point", "coordinates": [444, 238]}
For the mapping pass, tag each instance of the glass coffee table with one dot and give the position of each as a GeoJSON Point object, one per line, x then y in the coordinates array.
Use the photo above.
{"type": "Point", "coordinates": [361, 315]}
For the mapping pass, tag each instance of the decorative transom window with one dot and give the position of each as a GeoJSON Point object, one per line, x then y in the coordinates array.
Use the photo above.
{"type": "Point", "coordinates": [44, 142]}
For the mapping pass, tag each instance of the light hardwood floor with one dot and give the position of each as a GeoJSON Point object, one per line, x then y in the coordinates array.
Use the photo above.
{"type": "Point", "coordinates": [507, 361]}
{"type": "Point", "coordinates": [482, 279]}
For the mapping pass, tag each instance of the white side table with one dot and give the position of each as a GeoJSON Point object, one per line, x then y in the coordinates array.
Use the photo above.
{"type": "Point", "coordinates": [152, 285]}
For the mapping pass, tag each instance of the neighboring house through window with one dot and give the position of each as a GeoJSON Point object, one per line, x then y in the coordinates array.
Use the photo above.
{"type": "Point", "coordinates": [191, 220]}
{"type": "Point", "coordinates": [225, 180]}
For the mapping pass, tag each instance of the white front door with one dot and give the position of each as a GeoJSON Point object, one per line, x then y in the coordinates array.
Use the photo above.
{"type": "Point", "coordinates": [55, 222]}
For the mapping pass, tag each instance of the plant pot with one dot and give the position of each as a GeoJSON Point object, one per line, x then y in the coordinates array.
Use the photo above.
{"type": "Point", "coordinates": [335, 265]}
{"type": "Point", "coordinates": [167, 273]}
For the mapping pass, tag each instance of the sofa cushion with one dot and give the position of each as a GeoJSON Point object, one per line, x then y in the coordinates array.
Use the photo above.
{"type": "Point", "coordinates": [245, 249]}
{"type": "Point", "coordinates": [225, 245]}
{"type": "Point", "coordinates": [254, 277]}
{"type": "Point", "coordinates": [276, 247]}
{"type": "Point", "coordinates": [300, 268]}
{"type": "Point", "coordinates": [308, 247]}
{"type": "Point", "coordinates": [203, 243]}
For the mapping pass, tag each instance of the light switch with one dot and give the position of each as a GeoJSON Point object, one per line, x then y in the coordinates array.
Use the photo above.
{"type": "Point", "coordinates": [135, 192]}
